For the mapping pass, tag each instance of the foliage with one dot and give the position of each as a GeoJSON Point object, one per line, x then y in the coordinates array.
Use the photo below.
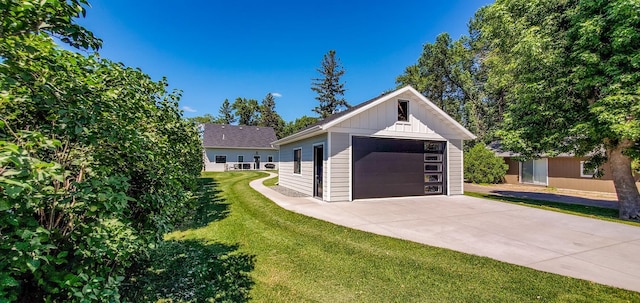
{"type": "Point", "coordinates": [193, 271]}
{"type": "Point", "coordinates": [570, 74]}
{"type": "Point", "coordinates": [96, 163]}
{"type": "Point", "coordinates": [450, 74]}
{"type": "Point", "coordinates": [268, 115]}
{"type": "Point", "coordinates": [226, 115]}
{"type": "Point", "coordinates": [206, 118]}
{"type": "Point", "coordinates": [247, 111]}
{"type": "Point", "coordinates": [481, 165]}
{"type": "Point", "coordinates": [299, 124]}
{"type": "Point", "coordinates": [329, 88]}
{"type": "Point", "coordinates": [299, 258]}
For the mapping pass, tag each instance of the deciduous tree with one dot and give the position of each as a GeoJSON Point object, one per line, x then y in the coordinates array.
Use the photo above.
{"type": "Point", "coordinates": [571, 78]}
{"type": "Point", "coordinates": [247, 111]}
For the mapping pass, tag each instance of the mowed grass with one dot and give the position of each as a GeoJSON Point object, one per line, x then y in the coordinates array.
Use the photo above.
{"type": "Point", "coordinates": [595, 212]}
{"type": "Point", "coordinates": [301, 259]}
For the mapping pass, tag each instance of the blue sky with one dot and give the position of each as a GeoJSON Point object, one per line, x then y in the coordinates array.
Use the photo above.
{"type": "Point", "coordinates": [214, 50]}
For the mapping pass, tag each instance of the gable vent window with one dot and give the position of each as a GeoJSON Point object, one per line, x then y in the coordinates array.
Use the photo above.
{"type": "Point", "coordinates": [403, 110]}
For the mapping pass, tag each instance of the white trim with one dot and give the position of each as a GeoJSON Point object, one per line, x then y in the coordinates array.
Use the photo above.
{"type": "Point", "coordinates": [294, 161]}
{"type": "Point", "coordinates": [271, 159]}
{"type": "Point", "coordinates": [247, 147]}
{"type": "Point", "coordinates": [582, 175]}
{"type": "Point", "coordinates": [448, 168]}
{"type": "Point", "coordinates": [408, 121]}
{"type": "Point", "coordinates": [313, 157]}
{"type": "Point", "coordinates": [350, 166]}
{"type": "Point", "coordinates": [297, 136]}
{"type": "Point", "coordinates": [383, 133]}
{"type": "Point", "coordinates": [393, 95]}
{"type": "Point", "coordinates": [328, 169]}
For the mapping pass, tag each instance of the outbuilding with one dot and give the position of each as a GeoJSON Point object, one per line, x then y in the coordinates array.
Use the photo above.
{"type": "Point", "coordinates": [238, 147]}
{"type": "Point", "coordinates": [398, 144]}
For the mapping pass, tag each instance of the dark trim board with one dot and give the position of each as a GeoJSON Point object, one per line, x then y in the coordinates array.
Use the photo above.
{"type": "Point", "coordinates": [387, 167]}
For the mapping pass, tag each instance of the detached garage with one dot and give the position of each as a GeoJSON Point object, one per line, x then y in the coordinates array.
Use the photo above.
{"type": "Point", "coordinates": [398, 144]}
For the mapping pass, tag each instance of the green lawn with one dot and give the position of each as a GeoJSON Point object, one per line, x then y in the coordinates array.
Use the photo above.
{"type": "Point", "coordinates": [271, 181]}
{"type": "Point", "coordinates": [595, 212]}
{"type": "Point", "coordinates": [300, 259]}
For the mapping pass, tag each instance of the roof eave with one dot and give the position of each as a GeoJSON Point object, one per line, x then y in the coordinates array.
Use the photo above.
{"type": "Point", "coordinates": [297, 135]}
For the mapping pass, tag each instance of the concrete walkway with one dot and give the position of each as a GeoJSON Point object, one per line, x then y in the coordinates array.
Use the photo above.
{"type": "Point", "coordinates": [590, 249]}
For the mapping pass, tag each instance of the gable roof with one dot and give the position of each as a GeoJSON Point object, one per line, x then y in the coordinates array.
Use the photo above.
{"type": "Point", "coordinates": [238, 136]}
{"type": "Point", "coordinates": [337, 118]}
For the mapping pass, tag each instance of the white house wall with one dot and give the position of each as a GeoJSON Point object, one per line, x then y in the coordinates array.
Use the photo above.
{"type": "Point", "coordinates": [302, 182]}
{"type": "Point", "coordinates": [232, 157]}
{"type": "Point", "coordinates": [382, 120]}
{"type": "Point", "coordinates": [455, 167]}
{"type": "Point", "coordinates": [340, 167]}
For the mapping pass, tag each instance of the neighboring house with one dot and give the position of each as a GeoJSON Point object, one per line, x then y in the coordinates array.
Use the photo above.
{"type": "Point", "coordinates": [232, 147]}
{"type": "Point", "coordinates": [562, 171]}
{"type": "Point", "coordinates": [398, 144]}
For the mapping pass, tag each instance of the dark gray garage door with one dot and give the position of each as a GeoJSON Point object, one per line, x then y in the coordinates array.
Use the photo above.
{"type": "Point", "coordinates": [396, 167]}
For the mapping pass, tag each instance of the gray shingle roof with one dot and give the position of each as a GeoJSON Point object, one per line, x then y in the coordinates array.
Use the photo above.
{"type": "Point", "coordinates": [234, 136]}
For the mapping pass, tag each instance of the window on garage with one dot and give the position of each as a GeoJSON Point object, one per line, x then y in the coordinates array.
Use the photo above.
{"type": "Point", "coordinates": [403, 110]}
{"type": "Point", "coordinates": [297, 160]}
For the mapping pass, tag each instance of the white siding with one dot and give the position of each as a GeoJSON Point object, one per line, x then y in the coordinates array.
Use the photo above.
{"type": "Point", "coordinates": [456, 174]}
{"type": "Point", "coordinates": [340, 167]}
{"type": "Point", "coordinates": [382, 120]}
{"type": "Point", "coordinates": [302, 182]}
{"type": "Point", "coordinates": [232, 157]}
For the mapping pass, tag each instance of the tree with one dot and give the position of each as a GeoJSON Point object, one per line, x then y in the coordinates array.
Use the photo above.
{"type": "Point", "coordinates": [481, 165]}
{"type": "Point", "coordinates": [329, 88]}
{"type": "Point", "coordinates": [206, 118]}
{"type": "Point", "coordinates": [268, 115]}
{"type": "Point", "coordinates": [571, 79]}
{"type": "Point", "coordinates": [96, 161]}
{"type": "Point", "coordinates": [450, 74]}
{"type": "Point", "coordinates": [226, 115]}
{"type": "Point", "coordinates": [299, 124]}
{"type": "Point", "coordinates": [246, 110]}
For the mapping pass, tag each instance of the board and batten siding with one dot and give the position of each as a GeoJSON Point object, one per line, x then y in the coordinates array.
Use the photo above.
{"type": "Point", "coordinates": [302, 182]}
{"type": "Point", "coordinates": [382, 120]}
{"type": "Point", "coordinates": [340, 167]}
{"type": "Point", "coordinates": [456, 172]}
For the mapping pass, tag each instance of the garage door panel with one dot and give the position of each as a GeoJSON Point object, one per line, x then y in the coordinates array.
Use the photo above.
{"type": "Point", "coordinates": [388, 167]}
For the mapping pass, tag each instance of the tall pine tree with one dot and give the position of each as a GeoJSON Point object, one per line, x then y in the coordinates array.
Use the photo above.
{"type": "Point", "coordinates": [268, 115]}
{"type": "Point", "coordinates": [226, 115]}
{"type": "Point", "coordinates": [330, 90]}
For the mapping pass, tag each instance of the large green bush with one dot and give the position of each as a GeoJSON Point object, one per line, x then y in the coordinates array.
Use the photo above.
{"type": "Point", "coordinates": [481, 165]}
{"type": "Point", "coordinates": [96, 162]}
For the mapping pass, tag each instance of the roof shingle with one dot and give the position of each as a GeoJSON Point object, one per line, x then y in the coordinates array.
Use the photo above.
{"type": "Point", "coordinates": [238, 136]}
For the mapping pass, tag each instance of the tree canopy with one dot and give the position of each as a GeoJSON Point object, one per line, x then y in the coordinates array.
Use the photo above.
{"type": "Point", "coordinates": [268, 115]}
{"type": "Point", "coordinates": [570, 74]}
{"type": "Point", "coordinates": [96, 161]}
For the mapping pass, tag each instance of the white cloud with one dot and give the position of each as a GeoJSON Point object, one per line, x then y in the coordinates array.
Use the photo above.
{"type": "Point", "coordinates": [277, 95]}
{"type": "Point", "coordinates": [188, 109]}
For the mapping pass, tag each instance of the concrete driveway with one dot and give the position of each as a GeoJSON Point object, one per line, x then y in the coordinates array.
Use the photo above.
{"type": "Point", "coordinates": [590, 249]}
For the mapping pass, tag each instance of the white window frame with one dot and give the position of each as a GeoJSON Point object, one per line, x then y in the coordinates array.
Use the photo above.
{"type": "Point", "coordinates": [215, 160]}
{"type": "Point", "coordinates": [240, 160]}
{"type": "Point", "coordinates": [299, 160]}
{"type": "Point", "coordinates": [269, 157]}
{"type": "Point", "coordinates": [583, 175]}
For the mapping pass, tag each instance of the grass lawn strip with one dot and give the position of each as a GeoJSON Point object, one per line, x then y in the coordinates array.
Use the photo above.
{"type": "Point", "coordinates": [301, 259]}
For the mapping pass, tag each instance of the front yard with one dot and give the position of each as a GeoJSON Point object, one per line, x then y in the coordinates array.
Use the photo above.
{"type": "Point", "coordinates": [300, 259]}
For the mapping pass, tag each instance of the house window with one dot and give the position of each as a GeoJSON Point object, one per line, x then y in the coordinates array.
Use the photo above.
{"type": "Point", "coordinates": [585, 172]}
{"type": "Point", "coordinates": [240, 159]}
{"type": "Point", "coordinates": [270, 159]}
{"type": "Point", "coordinates": [403, 110]}
{"type": "Point", "coordinates": [297, 160]}
{"type": "Point", "coordinates": [221, 159]}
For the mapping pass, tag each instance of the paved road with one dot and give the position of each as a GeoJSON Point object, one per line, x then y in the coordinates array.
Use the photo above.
{"type": "Point", "coordinates": [573, 197]}
{"type": "Point", "coordinates": [590, 249]}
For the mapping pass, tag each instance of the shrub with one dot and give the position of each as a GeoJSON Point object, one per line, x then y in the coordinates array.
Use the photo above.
{"type": "Point", "coordinates": [96, 164]}
{"type": "Point", "coordinates": [481, 165]}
